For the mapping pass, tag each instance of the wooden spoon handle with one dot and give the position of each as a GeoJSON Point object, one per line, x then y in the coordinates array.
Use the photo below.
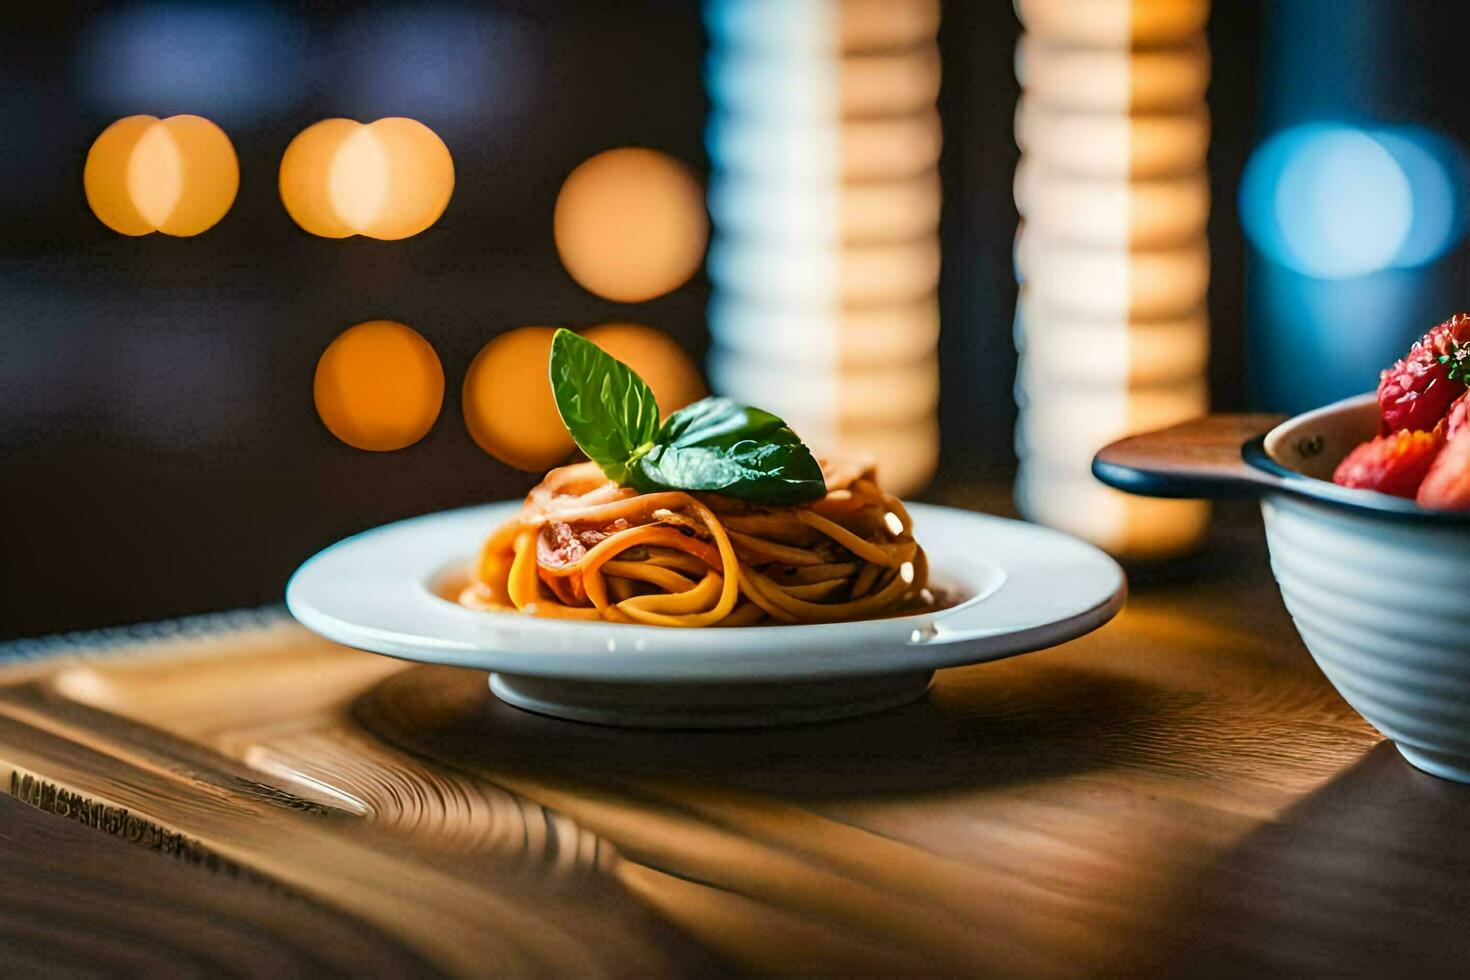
{"type": "Point", "coordinates": [1199, 458]}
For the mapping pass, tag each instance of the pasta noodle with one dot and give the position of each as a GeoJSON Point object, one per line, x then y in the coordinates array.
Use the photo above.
{"type": "Point", "coordinates": [583, 547]}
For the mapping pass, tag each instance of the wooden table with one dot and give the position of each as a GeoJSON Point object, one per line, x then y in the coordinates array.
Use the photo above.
{"type": "Point", "coordinates": [1180, 793]}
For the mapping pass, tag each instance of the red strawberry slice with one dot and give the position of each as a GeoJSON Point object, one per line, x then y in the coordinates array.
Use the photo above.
{"type": "Point", "coordinates": [1417, 391]}
{"type": "Point", "coordinates": [1447, 486]}
{"type": "Point", "coordinates": [1414, 394]}
{"type": "Point", "coordinates": [1454, 423]}
{"type": "Point", "coordinates": [1394, 464]}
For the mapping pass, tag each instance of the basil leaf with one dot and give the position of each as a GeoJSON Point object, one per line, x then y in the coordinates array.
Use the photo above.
{"type": "Point", "coordinates": [609, 410]}
{"type": "Point", "coordinates": [723, 447]}
{"type": "Point", "coordinates": [714, 445]}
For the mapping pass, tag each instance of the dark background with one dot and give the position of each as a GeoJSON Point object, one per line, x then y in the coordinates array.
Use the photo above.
{"type": "Point", "coordinates": [159, 451]}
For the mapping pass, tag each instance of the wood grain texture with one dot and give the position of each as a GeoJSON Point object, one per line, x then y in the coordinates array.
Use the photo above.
{"type": "Point", "coordinates": [73, 900]}
{"type": "Point", "coordinates": [1180, 793]}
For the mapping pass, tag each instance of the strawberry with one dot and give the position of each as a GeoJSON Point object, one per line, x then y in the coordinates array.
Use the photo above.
{"type": "Point", "coordinates": [1394, 464]}
{"type": "Point", "coordinates": [1456, 420]}
{"type": "Point", "coordinates": [1447, 487]}
{"type": "Point", "coordinates": [1417, 391]}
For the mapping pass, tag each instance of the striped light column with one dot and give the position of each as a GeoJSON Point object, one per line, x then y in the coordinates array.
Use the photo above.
{"type": "Point", "coordinates": [824, 141]}
{"type": "Point", "coordinates": [1111, 255]}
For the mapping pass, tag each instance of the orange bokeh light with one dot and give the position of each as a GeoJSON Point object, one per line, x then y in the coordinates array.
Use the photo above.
{"type": "Point", "coordinates": [379, 386]}
{"type": "Point", "coordinates": [657, 358]}
{"type": "Point", "coordinates": [507, 401]}
{"type": "Point", "coordinates": [304, 171]}
{"type": "Point", "coordinates": [630, 224]}
{"type": "Point", "coordinates": [389, 179]}
{"type": "Point", "coordinates": [177, 175]}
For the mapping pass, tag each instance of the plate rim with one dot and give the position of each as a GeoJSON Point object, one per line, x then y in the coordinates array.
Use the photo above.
{"type": "Point", "coordinates": [971, 632]}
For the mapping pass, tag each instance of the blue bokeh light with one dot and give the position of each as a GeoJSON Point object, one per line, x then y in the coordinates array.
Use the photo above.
{"type": "Point", "coordinates": [1343, 205]}
{"type": "Point", "coordinates": [1333, 201]}
{"type": "Point", "coordinates": [446, 65]}
{"type": "Point", "coordinates": [1435, 168]}
{"type": "Point", "coordinates": [230, 63]}
{"type": "Point", "coordinates": [1313, 341]}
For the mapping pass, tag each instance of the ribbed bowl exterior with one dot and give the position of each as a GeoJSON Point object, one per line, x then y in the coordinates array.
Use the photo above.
{"type": "Point", "coordinates": [1384, 607]}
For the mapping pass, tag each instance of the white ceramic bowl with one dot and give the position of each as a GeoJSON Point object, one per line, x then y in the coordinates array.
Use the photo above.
{"type": "Point", "coordinates": [1378, 587]}
{"type": "Point", "coordinates": [1023, 587]}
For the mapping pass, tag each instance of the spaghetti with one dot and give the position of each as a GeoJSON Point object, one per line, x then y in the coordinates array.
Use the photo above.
{"type": "Point", "coordinates": [583, 547]}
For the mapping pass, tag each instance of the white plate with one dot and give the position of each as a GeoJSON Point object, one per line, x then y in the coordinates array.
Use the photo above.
{"type": "Point", "coordinates": [1027, 587]}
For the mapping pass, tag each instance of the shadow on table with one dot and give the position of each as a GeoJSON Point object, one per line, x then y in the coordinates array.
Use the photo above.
{"type": "Point", "coordinates": [1116, 770]}
{"type": "Point", "coordinates": [722, 832]}
{"type": "Point", "coordinates": [1368, 876]}
{"type": "Point", "coordinates": [983, 727]}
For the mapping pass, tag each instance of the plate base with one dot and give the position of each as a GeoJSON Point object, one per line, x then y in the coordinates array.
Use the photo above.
{"type": "Point", "coordinates": [744, 705]}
